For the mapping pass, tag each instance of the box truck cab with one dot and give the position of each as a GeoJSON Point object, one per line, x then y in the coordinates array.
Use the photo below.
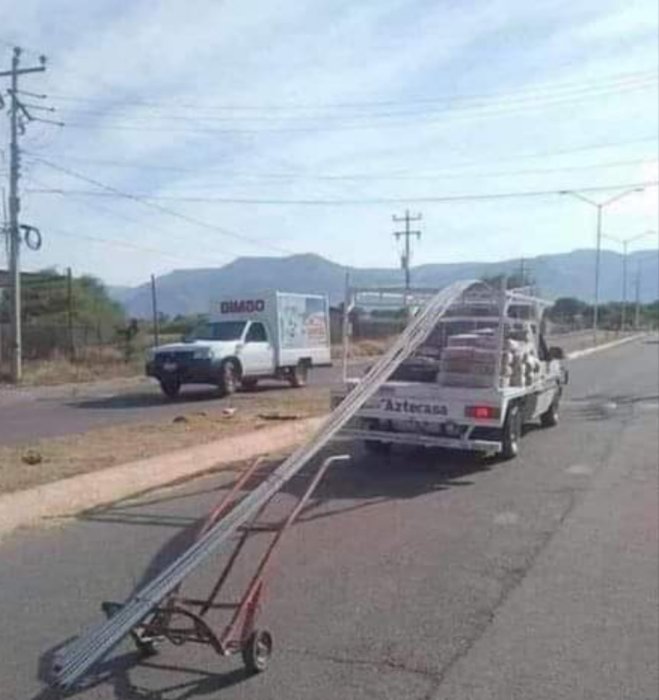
{"type": "Point", "coordinates": [271, 335]}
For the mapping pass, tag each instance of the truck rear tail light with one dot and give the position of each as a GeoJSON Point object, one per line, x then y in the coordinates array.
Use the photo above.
{"type": "Point", "coordinates": [482, 412]}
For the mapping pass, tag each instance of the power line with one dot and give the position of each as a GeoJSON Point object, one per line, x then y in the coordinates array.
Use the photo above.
{"type": "Point", "coordinates": [386, 121]}
{"type": "Point", "coordinates": [452, 105]}
{"type": "Point", "coordinates": [269, 107]}
{"type": "Point", "coordinates": [350, 202]}
{"type": "Point", "coordinates": [130, 219]}
{"type": "Point", "coordinates": [354, 176]}
{"type": "Point", "coordinates": [442, 174]}
{"type": "Point", "coordinates": [113, 242]}
{"type": "Point", "coordinates": [148, 202]}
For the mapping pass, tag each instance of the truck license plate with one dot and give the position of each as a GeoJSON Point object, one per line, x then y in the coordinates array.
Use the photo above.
{"type": "Point", "coordinates": [170, 366]}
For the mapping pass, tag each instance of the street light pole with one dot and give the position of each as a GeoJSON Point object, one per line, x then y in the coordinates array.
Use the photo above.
{"type": "Point", "coordinates": [623, 314]}
{"type": "Point", "coordinates": [598, 256]}
{"type": "Point", "coordinates": [637, 310]}
{"type": "Point", "coordinates": [625, 242]}
{"type": "Point", "coordinates": [599, 206]}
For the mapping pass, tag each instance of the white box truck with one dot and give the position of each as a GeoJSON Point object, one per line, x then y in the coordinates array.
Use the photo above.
{"type": "Point", "coordinates": [273, 335]}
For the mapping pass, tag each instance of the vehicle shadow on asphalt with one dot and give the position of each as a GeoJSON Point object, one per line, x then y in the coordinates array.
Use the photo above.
{"type": "Point", "coordinates": [148, 399]}
{"type": "Point", "coordinates": [374, 479]}
{"type": "Point", "coordinates": [407, 473]}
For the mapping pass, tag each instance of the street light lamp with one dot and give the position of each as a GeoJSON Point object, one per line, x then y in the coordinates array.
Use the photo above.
{"type": "Point", "coordinates": [599, 206]}
{"type": "Point", "coordinates": [625, 242]}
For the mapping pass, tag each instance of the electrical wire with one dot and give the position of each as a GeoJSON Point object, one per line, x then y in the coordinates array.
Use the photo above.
{"type": "Point", "coordinates": [351, 176]}
{"type": "Point", "coordinates": [146, 201]}
{"type": "Point", "coordinates": [113, 242]}
{"type": "Point", "coordinates": [383, 121]}
{"type": "Point", "coordinates": [149, 227]}
{"type": "Point", "coordinates": [509, 102]}
{"type": "Point", "coordinates": [411, 178]}
{"type": "Point", "coordinates": [269, 107]}
{"type": "Point", "coordinates": [354, 202]}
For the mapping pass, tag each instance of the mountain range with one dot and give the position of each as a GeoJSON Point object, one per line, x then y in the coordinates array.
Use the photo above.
{"type": "Point", "coordinates": [564, 274]}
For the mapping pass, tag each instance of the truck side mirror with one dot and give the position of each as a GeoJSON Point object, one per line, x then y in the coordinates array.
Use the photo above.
{"type": "Point", "coordinates": [556, 353]}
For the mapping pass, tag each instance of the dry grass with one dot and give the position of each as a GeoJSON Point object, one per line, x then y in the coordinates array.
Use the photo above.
{"type": "Point", "coordinates": [365, 347]}
{"type": "Point", "coordinates": [43, 461]}
{"type": "Point", "coordinates": [91, 364]}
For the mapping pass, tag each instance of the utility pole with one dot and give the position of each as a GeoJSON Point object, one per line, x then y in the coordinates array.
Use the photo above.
{"type": "Point", "coordinates": [17, 111]}
{"type": "Point", "coordinates": [154, 305]}
{"type": "Point", "coordinates": [407, 234]}
{"type": "Point", "coordinates": [69, 308]}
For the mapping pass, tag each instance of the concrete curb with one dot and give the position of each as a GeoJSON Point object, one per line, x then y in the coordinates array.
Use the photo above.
{"type": "Point", "coordinates": [70, 496]}
{"type": "Point", "coordinates": [606, 346]}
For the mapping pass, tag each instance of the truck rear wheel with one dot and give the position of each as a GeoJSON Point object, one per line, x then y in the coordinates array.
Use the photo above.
{"type": "Point", "coordinates": [170, 387]}
{"type": "Point", "coordinates": [229, 378]}
{"type": "Point", "coordinates": [299, 374]}
{"type": "Point", "coordinates": [512, 433]}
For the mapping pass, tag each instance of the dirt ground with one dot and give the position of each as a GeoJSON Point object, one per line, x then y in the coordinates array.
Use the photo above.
{"type": "Point", "coordinates": [43, 461]}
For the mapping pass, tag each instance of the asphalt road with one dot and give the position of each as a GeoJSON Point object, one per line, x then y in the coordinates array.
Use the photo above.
{"type": "Point", "coordinates": [420, 577]}
{"type": "Point", "coordinates": [42, 412]}
{"type": "Point", "coordinates": [28, 414]}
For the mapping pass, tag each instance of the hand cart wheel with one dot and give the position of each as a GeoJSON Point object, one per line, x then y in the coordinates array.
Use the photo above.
{"type": "Point", "coordinates": [257, 650]}
{"type": "Point", "coordinates": [146, 646]}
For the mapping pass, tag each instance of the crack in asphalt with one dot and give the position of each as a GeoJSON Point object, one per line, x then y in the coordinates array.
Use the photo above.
{"type": "Point", "coordinates": [390, 664]}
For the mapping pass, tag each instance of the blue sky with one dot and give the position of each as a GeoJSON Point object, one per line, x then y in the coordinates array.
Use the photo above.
{"type": "Point", "coordinates": [318, 120]}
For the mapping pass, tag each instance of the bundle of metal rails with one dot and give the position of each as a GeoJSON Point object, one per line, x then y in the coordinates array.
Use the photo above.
{"type": "Point", "coordinates": [76, 659]}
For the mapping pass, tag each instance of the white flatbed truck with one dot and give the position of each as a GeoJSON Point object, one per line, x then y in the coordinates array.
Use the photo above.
{"type": "Point", "coordinates": [426, 404]}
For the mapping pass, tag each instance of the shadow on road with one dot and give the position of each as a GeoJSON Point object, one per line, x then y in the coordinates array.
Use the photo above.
{"type": "Point", "coordinates": [115, 673]}
{"type": "Point", "coordinates": [153, 397]}
{"type": "Point", "coordinates": [598, 407]}
{"type": "Point", "coordinates": [144, 399]}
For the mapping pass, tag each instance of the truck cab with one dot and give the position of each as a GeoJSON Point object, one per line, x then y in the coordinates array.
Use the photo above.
{"type": "Point", "coordinates": [246, 340]}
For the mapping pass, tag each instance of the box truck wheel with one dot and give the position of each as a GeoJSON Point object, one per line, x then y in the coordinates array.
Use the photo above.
{"type": "Point", "coordinates": [170, 387]}
{"type": "Point", "coordinates": [229, 378]}
{"type": "Point", "coordinates": [298, 375]}
{"type": "Point", "coordinates": [512, 432]}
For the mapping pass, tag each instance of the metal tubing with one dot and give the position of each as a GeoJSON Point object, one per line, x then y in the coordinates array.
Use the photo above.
{"type": "Point", "coordinates": [79, 656]}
